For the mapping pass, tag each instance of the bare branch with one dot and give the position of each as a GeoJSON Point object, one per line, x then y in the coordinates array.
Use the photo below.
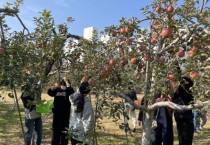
{"type": "Point", "coordinates": [176, 106]}
{"type": "Point", "coordinates": [185, 18]}
{"type": "Point", "coordinates": [203, 2]}
{"type": "Point", "coordinates": [24, 27]}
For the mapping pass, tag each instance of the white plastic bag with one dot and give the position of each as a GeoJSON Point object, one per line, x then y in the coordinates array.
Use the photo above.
{"type": "Point", "coordinates": [33, 114]}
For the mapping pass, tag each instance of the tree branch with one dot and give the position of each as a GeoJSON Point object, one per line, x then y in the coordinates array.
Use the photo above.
{"type": "Point", "coordinates": [203, 1]}
{"type": "Point", "coordinates": [121, 95]}
{"type": "Point", "coordinates": [176, 106]}
{"type": "Point", "coordinates": [169, 46]}
{"type": "Point", "coordinates": [24, 27]}
{"type": "Point", "coordinates": [74, 36]}
{"type": "Point", "coordinates": [7, 10]}
{"type": "Point", "coordinates": [185, 18]}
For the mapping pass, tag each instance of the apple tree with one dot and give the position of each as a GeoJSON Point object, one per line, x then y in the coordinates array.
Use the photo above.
{"type": "Point", "coordinates": [175, 44]}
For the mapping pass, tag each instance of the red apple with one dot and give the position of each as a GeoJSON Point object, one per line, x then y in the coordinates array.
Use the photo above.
{"type": "Point", "coordinates": [154, 41]}
{"type": "Point", "coordinates": [128, 41]}
{"type": "Point", "coordinates": [170, 9]}
{"type": "Point", "coordinates": [194, 74]}
{"type": "Point", "coordinates": [158, 9]}
{"type": "Point", "coordinates": [172, 77]}
{"type": "Point", "coordinates": [133, 60]}
{"type": "Point", "coordinates": [192, 53]}
{"type": "Point", "coordinates": [123, 62]}
{"type": "Point", "coordinates": [112, 62]}
{"type": "Point", "coordinates": [181, 53]}
{"type": "Point", "coordinates": [162, 59]}
{"type": "Point", "coordinates": [126, 29]}
{"type": "Point", "coordinates": [166, 32]}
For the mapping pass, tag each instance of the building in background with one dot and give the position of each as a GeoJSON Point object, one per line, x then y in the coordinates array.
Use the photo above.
{"type": "Point", "coordinates": [88, 33]}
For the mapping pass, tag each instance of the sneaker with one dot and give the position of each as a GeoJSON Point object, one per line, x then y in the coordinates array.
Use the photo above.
{"type": "Point", "coordinates": [134, 130]}
{"type": "Point", "coordinates": [197, 130]}
{"type": "Point", "coordinates": [200, 128]}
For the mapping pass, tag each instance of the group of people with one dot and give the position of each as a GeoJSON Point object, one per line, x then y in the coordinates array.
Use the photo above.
{"type": "Point", "coordinates": [187, 122]}
{"type": "Point", "coordinates": [73, 111]}
{"type": "Point", "coordinates": [72, 114]}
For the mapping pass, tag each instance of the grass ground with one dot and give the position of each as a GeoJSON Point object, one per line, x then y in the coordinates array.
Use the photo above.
{"type": "Point", "coordinates": [11, 133]}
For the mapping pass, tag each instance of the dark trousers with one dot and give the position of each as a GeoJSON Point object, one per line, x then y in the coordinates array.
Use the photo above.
{"type": "Point", "coordinates": [60, 123]}
{"type": "Point", "coordinates": [75, 142]}
{"type": "Point", "coordinates": [31, 125]}
{"type": "Point", "coordinates": [163, 135]}
{"type": "Point", "coordinates": [185, 130]}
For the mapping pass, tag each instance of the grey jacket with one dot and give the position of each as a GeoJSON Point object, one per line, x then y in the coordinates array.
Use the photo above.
{"type": "Point", "coordinates": [81, 124]}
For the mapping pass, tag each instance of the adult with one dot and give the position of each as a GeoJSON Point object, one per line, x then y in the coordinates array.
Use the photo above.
{"type": "Point", "coordinates": [33, 121]}
{"type": "Point", "coordinates": [200, 119]}
{"type": "Point", "coordinates": [129, 109]}
{"type": "Point", "coordinates": [184, 119]}
{"type": "Point", "coordinates": [82, 116]}
{"type": "Point", "coordinates": [61, 110]}
{"type": "Point", "coordinates": [163, 133]}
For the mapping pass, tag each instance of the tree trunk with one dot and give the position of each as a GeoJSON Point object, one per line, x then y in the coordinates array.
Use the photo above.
{"type": "Point", "coordinates": [147, 130]}
{"type": "Point", "coordinates": [18, 107]}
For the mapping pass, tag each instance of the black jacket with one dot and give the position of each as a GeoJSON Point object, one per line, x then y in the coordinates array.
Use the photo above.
{"type": "Point", "coordinates": [61, 99]}
{"type": "Point", "coordinates": [26, 98]}
{"type": "Point", "coordinates": [183, 96]}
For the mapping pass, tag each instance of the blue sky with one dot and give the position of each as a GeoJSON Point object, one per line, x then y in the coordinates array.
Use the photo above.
{"type": "Point", "coordinates": [96, 13]}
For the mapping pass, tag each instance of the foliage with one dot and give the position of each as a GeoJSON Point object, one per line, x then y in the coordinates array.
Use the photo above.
{"type": "Point", "coordinates": [175, 44]}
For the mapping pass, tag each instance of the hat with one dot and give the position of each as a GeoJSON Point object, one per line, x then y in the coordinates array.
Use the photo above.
{"type": "Point", "coordinates": [84, 88]}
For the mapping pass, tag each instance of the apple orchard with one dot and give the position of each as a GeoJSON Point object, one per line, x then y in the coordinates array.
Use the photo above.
{"type": "Point", "coordinates": [175, 44]}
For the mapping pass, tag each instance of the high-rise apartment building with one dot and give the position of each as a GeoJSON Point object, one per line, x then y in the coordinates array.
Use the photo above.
{"type": "Point", "coordinates": [88, 33]}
